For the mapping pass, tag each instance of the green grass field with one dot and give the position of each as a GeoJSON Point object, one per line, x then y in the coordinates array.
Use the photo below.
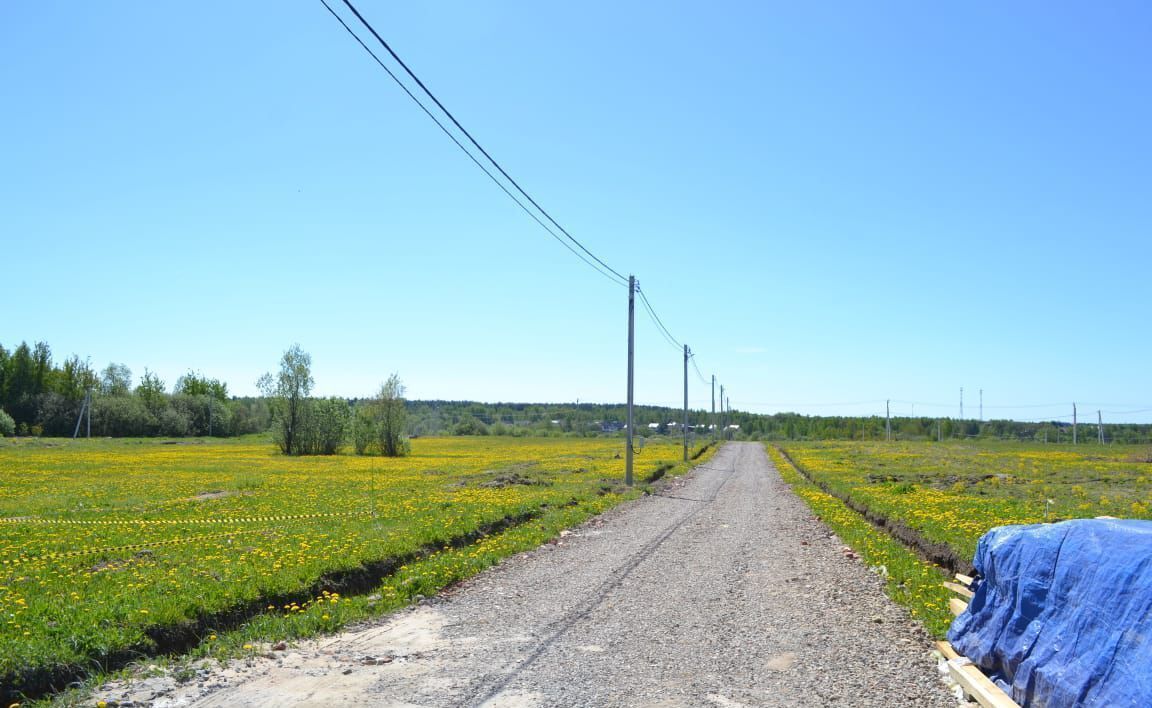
{"type": "Point", "coordinates": [952, 493]}
{"type": "Point", "coordinates": [113, 550]}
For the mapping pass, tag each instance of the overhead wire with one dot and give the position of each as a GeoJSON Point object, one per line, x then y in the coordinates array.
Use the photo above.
{"type": "Point", "coordinates": [463, 149]}
{"type": "Point", "coordinates": [656, 319]}
{"type": "Point", "coordinates": [569, 241]}
{"type": "Point", "coordinates": [497, 165]}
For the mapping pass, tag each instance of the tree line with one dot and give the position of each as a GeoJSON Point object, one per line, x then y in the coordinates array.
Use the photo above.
{"type": "Point", "coordinates": [39, 396]}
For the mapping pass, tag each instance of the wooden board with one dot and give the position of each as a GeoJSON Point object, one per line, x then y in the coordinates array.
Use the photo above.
{"type": "Point", "coordinates": [946, 649]}
{"type": "Point", "coordinates": [964, 579]}
{"type": "Point", "coordinates": [957, 606]}
{"type": "Point", "coordinates": [977, 685]}
{"type": "Point", "coordinates": [959, 590]}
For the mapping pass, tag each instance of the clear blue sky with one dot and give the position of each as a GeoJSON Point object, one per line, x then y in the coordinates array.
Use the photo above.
{"type": "Point", "coordinates": [831, 203]}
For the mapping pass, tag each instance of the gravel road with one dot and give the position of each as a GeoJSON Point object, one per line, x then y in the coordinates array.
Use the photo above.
{"type": "Point", "coordinates": [720, 589]}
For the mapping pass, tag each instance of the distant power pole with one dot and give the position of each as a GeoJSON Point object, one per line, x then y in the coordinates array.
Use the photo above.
{"type": "Point", "coordinates": [631, 358]}
{"type": "Point", "coordinates": [723, 418]}
{"type": "Point", "coordinates": [961, 403]}
{"type": "Point", "coordinates": [1100, 426]}
{"type": "Point", "coordinates": [888, 420]}
{"type": "Point", "coordinates": [684, 424]}
{"type": "Point", "coordinates": [713, 406]}
{"type": "Point", "coordinates": [981, 405]}
{"type": "Point", "coordinates": [1073, 423]}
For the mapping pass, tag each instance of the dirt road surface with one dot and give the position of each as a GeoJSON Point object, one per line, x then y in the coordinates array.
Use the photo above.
{"type": "Point", "coordinates": [720, 589]}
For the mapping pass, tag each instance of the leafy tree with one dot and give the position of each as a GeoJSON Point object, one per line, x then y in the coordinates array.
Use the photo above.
{"type": "Point", "coordinates": [194, 383]}
{"type": "Point", "coordinates": [393, 418]}
{"type": "Point", "coordinates": [116, 380]}
{"type": "Point", "coordinates": [151, 392]}
{"type": "Point", "coordinates": [288, 393]}
{"type": "Point", "coordinates": [322, 428]}
{"type": "Point", "coordinates": [363, 429]}
{"type": "Point", "coordinates": [7, 425]}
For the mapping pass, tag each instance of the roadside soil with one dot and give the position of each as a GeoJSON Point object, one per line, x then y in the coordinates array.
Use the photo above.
{"type": "Point", "coordinates": [720, 589]}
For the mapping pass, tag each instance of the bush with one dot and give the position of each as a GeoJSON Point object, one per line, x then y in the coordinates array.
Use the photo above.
{"type": "Point", "coordinates": [363, 430]}
{"type": "Point", "coordinates": [322, 427]}
{"type": "Point", "coordinates": [174, 424]}
{"type": "Point", "coordinates": [7, 425]}
{"type": "Point", "coordinates": [122, 416]}
{"type": "Point", "coordinates": [469, 425]}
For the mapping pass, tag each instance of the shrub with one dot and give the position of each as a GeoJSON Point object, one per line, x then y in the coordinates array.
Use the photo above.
{"type": "Point", "coordinates": [7, 425]}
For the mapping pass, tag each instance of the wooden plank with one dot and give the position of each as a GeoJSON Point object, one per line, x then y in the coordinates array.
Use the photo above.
{"type": "Point", "coordinates": [964, 579]}
{"type": "Point", "coordinates": [977, 685]}
{"type": "Point", "coordinates": [959, 590]}
{"type": "Point", "coordinates": [957, 606]}
{"type": "Point", "coordinates": [946, 649]}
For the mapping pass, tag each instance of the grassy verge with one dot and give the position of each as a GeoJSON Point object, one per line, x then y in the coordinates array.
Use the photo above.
{"type": "Point", "coordinates": [911, 581]}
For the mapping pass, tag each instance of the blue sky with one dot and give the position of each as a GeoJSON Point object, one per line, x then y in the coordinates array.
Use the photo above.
{"type": "Point", "coordinates": [833, 204]}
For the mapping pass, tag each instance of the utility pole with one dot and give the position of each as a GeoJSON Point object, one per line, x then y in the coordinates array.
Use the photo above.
{"type": "Point", "coordinates": [631, 358]}
{"type": "Point", "coordinates": [722, 416]}
{"type": "Point", "coordinates": [1073, 423]}
{"type": "Point", "coordinates": [85, 407]}
{"type": "Point", "coordinates": [888, 420]}
{"type": "Point", "coordinates": [961, 403]}
{"type": "Point", "coordinates": [981, 405]}
{"type": "Point", "coordinates": [728, 405]}
{"type": "Point", "coordinates": [685, 421]}
{"type": "Point", "coordinates": [713, 406]}
{"type": "Point", "coordinates": [1100, 426]}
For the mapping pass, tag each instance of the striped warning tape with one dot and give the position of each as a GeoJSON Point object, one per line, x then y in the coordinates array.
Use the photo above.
{"type": "Point", "coordinates": [129, 547]}
{"type": "Point", "coordinates": [176, 522]}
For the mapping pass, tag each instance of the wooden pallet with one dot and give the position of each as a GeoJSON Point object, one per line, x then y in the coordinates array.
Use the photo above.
{"type": "Point", "coordinates": [969, 676]}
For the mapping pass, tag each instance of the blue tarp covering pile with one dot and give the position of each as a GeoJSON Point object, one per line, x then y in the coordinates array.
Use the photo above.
{"type": "Point", "coordinates": [1062, 615]}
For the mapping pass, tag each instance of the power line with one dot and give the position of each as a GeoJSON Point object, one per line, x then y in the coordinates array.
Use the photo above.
{"type": "Point", "coordinates": [656, 319]}
{"type": "Point", "coordinates": [370, 28]}
{"type": "Point", "coordinates": [463, 149]}
{"type": "Point", "coordinates": [699, 375]}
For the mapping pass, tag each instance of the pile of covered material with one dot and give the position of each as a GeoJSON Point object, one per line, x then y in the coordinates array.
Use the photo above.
{"type": "Point", "coordinates": [1062, 613]}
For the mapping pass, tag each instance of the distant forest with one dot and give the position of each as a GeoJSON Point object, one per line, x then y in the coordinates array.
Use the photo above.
{"type": "Point", "coordinates": [39, 397]}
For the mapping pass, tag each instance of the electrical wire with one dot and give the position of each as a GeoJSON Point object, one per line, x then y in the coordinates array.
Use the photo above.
{"type": "Point", "coordinates": [698, 374]}
{"type": "Point", "coordinates": [521, 190]}
{"type": "Point", "coordinates": [656, 319]}
{"type": "Point", "coordinates": [463, 149]}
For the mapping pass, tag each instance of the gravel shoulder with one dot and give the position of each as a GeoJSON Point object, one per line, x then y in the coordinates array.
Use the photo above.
{"type": "Point", "coordinates": [720, 589]}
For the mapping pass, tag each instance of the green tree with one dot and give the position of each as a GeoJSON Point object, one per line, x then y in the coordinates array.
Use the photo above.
{"type": "Point", "coordinates": [152, 393]}
{"type": "Point", "coordinates": [288, 393]}
{"type": "Point", "coordinates": [323, 427]}
{"type": "Point", "coordinates": [393, 418]}
{"type": "Point", "coordinates": [116, 380]}
{"type": "Point", "coordinates": [194, 383]}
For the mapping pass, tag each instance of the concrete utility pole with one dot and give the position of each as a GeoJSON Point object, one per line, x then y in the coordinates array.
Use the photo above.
{"type": "Point", "coordinates": [722, 429]}
{"type": "Point", "coordinates": [1073, 423]}
{"type": "Point", "coordinates": [713, 406]}
{"type": "Point", "coordinates": [685, 421]}
{"type": "Point", "coordinates": [888, 420]}
{"type": "Point", "coordinates": [85, 407]}
{"type": "Point", "coordinates": [1100, 426]}
{"type": "Point", "coordinates": [961, 403]}
{"type": "Point", "coordinates": [631, 359]}
{"type": "Point", "coordinates": [981, 405]}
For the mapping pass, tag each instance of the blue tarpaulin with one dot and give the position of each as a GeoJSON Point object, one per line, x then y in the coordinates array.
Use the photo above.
{"type": "Point", "coordinates": [1062, 615]}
